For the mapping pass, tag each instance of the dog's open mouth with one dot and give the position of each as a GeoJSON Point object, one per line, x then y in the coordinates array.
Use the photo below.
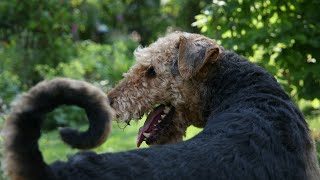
{"type": "Point", "coordinates": [156, 121]}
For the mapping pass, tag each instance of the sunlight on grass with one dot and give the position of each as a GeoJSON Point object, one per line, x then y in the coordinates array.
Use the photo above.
{"type": "Point", "coordinates": [192, 131]}
{"type": "Point", "coordinates": [121, 139]}
{"type": "Point", "coordinates": [314, 125]}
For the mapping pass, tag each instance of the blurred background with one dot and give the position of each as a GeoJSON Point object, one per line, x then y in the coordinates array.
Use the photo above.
{"type": "Point", "coordinates": [94, 40]}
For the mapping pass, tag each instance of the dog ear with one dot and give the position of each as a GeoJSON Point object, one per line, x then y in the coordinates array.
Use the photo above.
{"type": "Point", "coordinates": [194, 56]}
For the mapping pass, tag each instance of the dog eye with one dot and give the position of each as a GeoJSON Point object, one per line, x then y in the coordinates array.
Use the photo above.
{"type": "Point", "coordinates": [151, 72]}
{"type": "Point", "coordinates": [177, 45]}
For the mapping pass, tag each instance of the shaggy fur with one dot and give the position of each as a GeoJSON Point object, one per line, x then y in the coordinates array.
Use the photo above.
{"type": "Point", "coordinates": [251, 127]}
{"type": "Point", "coordinates": [23, 160]}
{"type": "Point", "coordinates": [252, 130]}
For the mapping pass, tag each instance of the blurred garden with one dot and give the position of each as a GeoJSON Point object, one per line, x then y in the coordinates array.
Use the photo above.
{"type": "Point", "coordinates": [94, 40]}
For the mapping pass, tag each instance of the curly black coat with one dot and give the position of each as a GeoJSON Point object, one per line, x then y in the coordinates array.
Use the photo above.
{"type": "Point", "coordinates": [253, 131]}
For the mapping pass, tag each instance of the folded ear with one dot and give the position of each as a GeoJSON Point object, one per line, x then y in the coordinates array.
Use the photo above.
{"type": "Point", "coordinates": [193, 56]}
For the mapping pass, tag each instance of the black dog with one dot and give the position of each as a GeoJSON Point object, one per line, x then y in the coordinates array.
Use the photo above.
{"type": "Point", "coordinates": [253, 131]}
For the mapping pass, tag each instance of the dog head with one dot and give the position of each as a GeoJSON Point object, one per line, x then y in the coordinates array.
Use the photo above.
{"type": "Point", "coordinates": [164, 83]}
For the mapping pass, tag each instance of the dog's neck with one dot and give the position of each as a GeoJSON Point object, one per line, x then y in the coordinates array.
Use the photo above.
{"type": "Point", "coordinates": [230, 80]}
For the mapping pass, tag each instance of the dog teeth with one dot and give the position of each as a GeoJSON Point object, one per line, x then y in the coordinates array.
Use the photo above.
{"type": "Point", "coordinates": [166, 110]}
{"type": "Point", "coordinates": [147, 135]}
{"type": "Point", "coordinates": [162, 116]}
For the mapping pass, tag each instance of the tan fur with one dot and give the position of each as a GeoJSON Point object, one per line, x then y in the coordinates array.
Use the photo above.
{"type": "Point", "coordinates": [43, 97]}
{"type": "Point", "coordinates": [313, 169]}
{"type": "Point", "coordinates": [137, 94]}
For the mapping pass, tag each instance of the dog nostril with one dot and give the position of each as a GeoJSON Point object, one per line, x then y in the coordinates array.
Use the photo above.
{"type": "Point", "coordinates": [111, 101]}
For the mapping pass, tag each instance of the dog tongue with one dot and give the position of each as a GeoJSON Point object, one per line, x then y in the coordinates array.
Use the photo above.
{"type": "Point", "coordinates": [152, 119]}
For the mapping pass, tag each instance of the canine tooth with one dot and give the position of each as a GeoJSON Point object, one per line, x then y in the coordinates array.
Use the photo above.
{"type": "Point", "coordinates": [147, 135]}
{"type": "Point", "coordinates": [162, 116]}
{"type": "Point", "coordinates": [159, 121]}
{"type": "Point", "coordinates": [166, 110]}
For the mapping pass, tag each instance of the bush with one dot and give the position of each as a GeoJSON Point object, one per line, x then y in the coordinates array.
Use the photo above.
{"type": "Point", "coordinates": [94, 62]}
{"type": "Point", "coordinates": [39, 31]}
{"type": "Point", "coordinates": [10, 84]}
{"type": "Point", "coordinates": [99, 64]}
{"type": "Point", "coordinates": [282, 36]}
{"type": "Point", "coordinates": [44, 39]}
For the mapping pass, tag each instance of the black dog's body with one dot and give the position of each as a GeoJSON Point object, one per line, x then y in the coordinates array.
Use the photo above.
{"type": "Point", "coordinates": [253, 131]}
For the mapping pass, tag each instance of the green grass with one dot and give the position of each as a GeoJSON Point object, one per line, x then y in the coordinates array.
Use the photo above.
{"type": "Point", "coordinates": [120, 140]}
{"type": "Point", "coordinates": [125, 139]}
{"type": "Point", "coordinates": [314, 125]}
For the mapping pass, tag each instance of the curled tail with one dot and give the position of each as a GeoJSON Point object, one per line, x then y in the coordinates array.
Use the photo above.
{"type": "Point", "coordinates": [22, 157]}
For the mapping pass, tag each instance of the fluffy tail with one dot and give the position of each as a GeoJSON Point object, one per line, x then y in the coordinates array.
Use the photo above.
{"type": "Point", "coordinates": [23, 159]}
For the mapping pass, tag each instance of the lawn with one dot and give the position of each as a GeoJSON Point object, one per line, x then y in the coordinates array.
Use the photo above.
{"type": "Point", "coordinates": [121, 139]}
{"type": "Point", "coordinates": [314, 125]}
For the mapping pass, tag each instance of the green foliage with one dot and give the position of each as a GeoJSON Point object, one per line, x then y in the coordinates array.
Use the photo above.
{"type": "Point", "coordinates": [10, 83]}
{"type": "Point", "coordinates": [39, 31]}
{"type": "Point", "coordinates": [10, 86]}
{"type": "Point", "coordinates": [141, 17]}
{"type": "Point", "coordinates": [180, 14]}
{"type": "Point", "coordinates": [64, 116]}
{"type": "Point", "coordinates": [94, 62]}
{"type": "Point", "coordinates": [99, 64]}
{"type": "Point", "coordinates": [282, 36]}
{"type": "Point", "coordinates": [43, 39]}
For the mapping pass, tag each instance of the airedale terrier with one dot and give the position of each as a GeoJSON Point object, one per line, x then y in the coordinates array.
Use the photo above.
{"type": "Point", "coordinates": [251, 127]}
{"type": "Point", "coordinates": [252, 130]}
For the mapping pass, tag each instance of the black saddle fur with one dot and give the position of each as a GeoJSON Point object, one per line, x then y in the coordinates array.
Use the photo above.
{"type": "Point", "coordinates": [253, 131]}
